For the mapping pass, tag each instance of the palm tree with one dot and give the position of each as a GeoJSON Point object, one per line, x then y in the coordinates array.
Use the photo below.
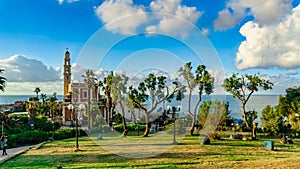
{"type": "Point", "coordinates": [37, 90]}
{"type": "Point", "coordinates": [2, 81]}
{"type": "Point", "coordinates": [89, 81]}
{"type": "Point", "coordinates": [43, 97]}
{"type": "Point", "coordinates": [106, 87]}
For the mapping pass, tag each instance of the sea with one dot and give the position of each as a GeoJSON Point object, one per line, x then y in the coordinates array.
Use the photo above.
{"type": "Point", "coordinates": [256, 102]}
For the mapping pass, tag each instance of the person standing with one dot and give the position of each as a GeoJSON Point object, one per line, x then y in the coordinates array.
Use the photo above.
{"type": "Point", "coordinates": [4, 144]}
{"type": "Point", "coordinates": [1, 143]}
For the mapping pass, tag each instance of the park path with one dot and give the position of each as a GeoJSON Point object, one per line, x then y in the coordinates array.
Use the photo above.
{"type": "Point", "coordinates": [13, 152]}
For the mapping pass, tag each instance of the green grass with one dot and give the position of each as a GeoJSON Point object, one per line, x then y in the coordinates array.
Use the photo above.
{"type": "Point", "coordinates": [187, 154]}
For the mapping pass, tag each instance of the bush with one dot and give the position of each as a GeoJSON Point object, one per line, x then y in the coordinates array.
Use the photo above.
{"type": "Point", "coordinates": [27, 138]}
{"type": "Point", "coordinates": [15, 130]}
{"type": "Point", "coordinates": [67, 133]}
{"type": "Point", "coordinates": [130, 127]}
{"type": "Point", "coordinates": [35, 137]}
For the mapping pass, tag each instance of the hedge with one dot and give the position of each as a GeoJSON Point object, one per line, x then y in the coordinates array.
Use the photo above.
{"type": "Point", "coordinates": [35, 137]}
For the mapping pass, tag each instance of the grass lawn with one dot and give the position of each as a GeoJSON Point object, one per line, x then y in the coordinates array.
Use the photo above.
{"type": "Point", "coordinates": [187, 154]}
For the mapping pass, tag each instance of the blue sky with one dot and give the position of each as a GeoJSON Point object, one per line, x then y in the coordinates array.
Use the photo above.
{"type": "Point", "coordinates": [233, 36]}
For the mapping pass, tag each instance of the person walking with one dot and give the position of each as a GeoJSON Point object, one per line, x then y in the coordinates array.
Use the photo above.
{"type": "Point", "coordinates": [1, 143]}
{"type": "Point", "coordinates": [4, 144]}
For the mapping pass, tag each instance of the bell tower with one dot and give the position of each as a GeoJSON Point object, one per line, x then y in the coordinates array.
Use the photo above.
{"type": "Point", "coordinates": [67, 72]}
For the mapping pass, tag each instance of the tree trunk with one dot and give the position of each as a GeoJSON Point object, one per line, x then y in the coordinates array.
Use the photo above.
{"type": "Point", "coordinates": [192, 128]}
{"type": "Point", "coordinates": [244, 114]}
{"type": "Point", "coordinates": [89, 108]}
{"type": "Point", "coordinates": [147, 130]}
{"type": "Point", "coordinates": [125, 132]}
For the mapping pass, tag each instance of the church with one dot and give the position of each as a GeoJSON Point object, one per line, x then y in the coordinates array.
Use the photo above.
{"type": "Point", "coordinates": [76, 94]}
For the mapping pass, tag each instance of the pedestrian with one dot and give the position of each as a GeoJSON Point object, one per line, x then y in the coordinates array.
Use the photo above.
{"type": "Point", "coordinates": [4, 144]}
{"type": "Point", "coordinates": [1, 143]}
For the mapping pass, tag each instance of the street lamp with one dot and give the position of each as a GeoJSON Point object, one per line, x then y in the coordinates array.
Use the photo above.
{"type": "Point", "coordinates": [71, 107]}
{"type": "Point", "coordinates": [2, 128]}
{"type": "Point", "coordinates": [174, 109]}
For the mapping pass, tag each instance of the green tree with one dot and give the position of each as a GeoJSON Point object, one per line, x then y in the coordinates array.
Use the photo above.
{"type": "Point", "coordinates": [43, 97]}
{"type": "Point", "coordinates": [289, 106]}
{"type": "Point", "coordinates": [217, 111]}
{"type": "Point", "coordinates": [272, 119]}
{"type": "Point", "coordinates": [156, 90]}
{"type": "Point", "coordinates": [106, 87]}
{"type": "Point", "coordinates": [202, 80]}
{"type": "Point", "coordinates": [89, 80]}
{"type": "Point", "coordinates": [37, 90]}
{"type": "Point", "coordinates": [242, 87]}
{"type": "Point", "coordinates": [119, 91]}
{"type": "Point", "coordinates": [53, 97]}
{"type": "Point", "coordinates": [2, 81]}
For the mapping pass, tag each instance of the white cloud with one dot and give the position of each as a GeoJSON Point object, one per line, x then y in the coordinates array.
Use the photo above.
{"type": "Point", "coordinates": [112, 10]}
{"type": "Point", "coordinates": [230, 16]}
{"type": "Point", "coordinates": [163, 16]}
{"type": "Point", "coordinates": [19, 68]}
{"type": "Point", "coordinates": [275, 45]}
{"type": "Point", "coordinates": [264, 12]}
{"type": "Point", "coordinates": [281, 83]}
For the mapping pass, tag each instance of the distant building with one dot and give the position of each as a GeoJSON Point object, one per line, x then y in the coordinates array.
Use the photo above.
{"type": "Point", "coordinates": [75, 94]}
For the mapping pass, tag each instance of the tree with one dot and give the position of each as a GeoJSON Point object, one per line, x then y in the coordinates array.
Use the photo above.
{"type": "Point", "coordinates": [37, 90]}
{"type": "Point", "coordinates": [156, 90]}
{"type": "Point", "coordinates": [242, 87]}
{"type": "Point", "coordinates": [216, 111]}
{"type": "Point", "coordinates": [289, 107]}
{"type": "Point", "coordinates": [272, 120]}
{"type": "Point", "coordinates": [43, 97]}
{"type": "Point", "coordinates": [204, 82]}
{"type": "Point", "coordinates": [119, 90]}
{"type": "Point", "coordinates": [106, 87]}
{"type": "Point", "coordinates": [53, 97]}
{"type": "Point", "coordinates": [2, 81]}
{"type": "Point", "coordinates": [89, 80]}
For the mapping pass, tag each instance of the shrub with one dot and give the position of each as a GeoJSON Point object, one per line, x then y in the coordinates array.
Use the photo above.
{"type": "Point", "coordinates": [27, 138]}
{"type": "Point", "coordinates": [130, 127]}
{"type": "Point", "coordinates": [67, 133]}
{"type": "Point", "coordinates": [15, 130]}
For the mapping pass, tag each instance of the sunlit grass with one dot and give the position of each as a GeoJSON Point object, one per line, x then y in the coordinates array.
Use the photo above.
{"type": "Point", "coordinates": [187, 154]}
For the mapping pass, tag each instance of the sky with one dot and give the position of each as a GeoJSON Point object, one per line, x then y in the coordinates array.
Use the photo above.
{"type": "Point", "coordinates": [138, 36]}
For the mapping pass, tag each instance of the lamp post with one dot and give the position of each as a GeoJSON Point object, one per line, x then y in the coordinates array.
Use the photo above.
{"type": "Point", "coordinates": [71, 107]}
{"type": "Point", "coordinates": [174, 109]}
{"type": "Point", "coordinates": [2, 128]}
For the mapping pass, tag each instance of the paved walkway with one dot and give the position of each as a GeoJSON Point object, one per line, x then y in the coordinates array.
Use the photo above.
{"type": "Point", "coordinates": [13, 152]}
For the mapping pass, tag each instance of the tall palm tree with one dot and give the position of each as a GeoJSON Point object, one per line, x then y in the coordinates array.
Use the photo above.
{"type": "Point", "coordinates": [89, 81]}
{"type": "Point", "coordinates": [37, 90]}
{"type": "Point", "coordinates": [106, 87]}
{"type": "Point", "coordinates": [2, 81]}
{"type": "Point", "coordinates": [43, 97]}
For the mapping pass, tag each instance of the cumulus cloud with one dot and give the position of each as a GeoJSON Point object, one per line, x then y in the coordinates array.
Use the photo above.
{"type": "Point", "coordinates": [163, 16]}
{"type": "Point", "coordinates": [275, 45]}
{"type": "Point", "coordinates": [19, 68]}
{"type": "Point", "coordinates": [112, 10]}
{"type": "Point", "coordinates": [230, 16]}
{"type": "Point", "coordinates": [264, 12]}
